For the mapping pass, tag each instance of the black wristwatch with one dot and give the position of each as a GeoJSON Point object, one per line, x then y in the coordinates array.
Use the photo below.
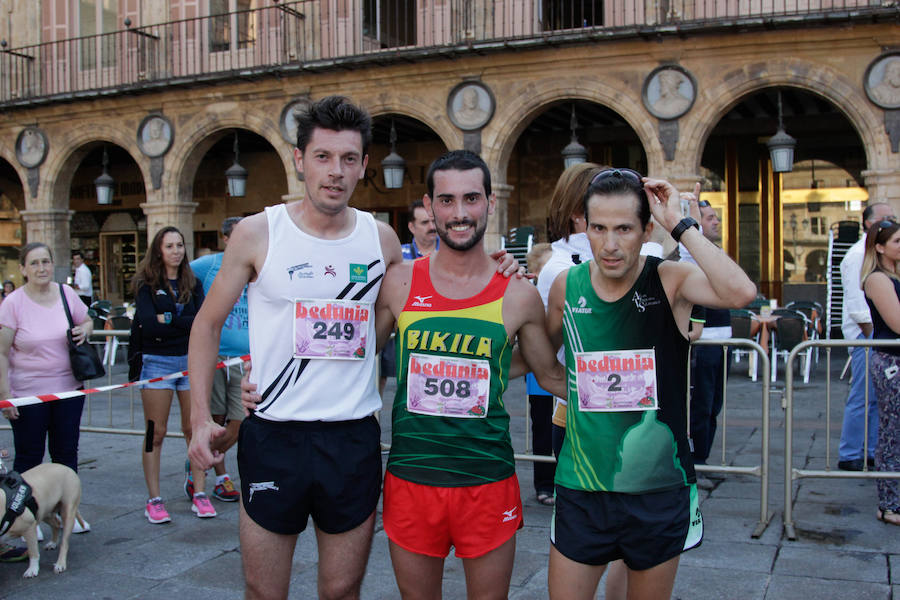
{"type": "Point", "coordinates": [684, 225]}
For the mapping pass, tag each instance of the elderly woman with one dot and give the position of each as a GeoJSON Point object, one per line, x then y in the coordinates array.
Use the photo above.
{"type": "Point", "coordinates": [880, 277]}
{"type": "Point", "coordinates": [34, 359]}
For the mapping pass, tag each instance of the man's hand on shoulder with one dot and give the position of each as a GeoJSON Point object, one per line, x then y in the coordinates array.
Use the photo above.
{"type": "Point", "coordinates": [508, 265]}
{"type": "Point", "coordinates": [250, 399]}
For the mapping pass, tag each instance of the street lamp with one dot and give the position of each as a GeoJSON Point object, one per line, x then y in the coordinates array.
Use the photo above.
{"type": "Point", "coordinates": [105, 183]}
{"type": "Point", "coordinates": [393, 164]}
{"type": "Point", "coordinates": [236, 175]}
{"type": "Point", "coordinates": [781, 146]}
{"type": "Point", "coordinates": [574, 152]}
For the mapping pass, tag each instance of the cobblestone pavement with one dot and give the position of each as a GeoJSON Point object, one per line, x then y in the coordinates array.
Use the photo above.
{"type": "Point", "coordinates": [842, 551]}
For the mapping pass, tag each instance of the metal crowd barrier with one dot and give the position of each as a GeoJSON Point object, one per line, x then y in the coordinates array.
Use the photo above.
{"type": "Point", "coordinates": [761, 470]}
{"type": "Point", "coordinates": [99, 339]}
{"type": "Point", "coordinates": [791, 474]}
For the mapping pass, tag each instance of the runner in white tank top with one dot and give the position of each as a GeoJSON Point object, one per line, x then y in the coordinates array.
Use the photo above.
{"type": "Point", "coordinates": [311, 451]}
{"type": "Point", "coordinates": [301, 267]}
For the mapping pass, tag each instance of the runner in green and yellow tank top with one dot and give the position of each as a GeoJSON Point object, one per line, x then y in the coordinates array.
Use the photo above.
{"type": "Point", "coordinates": [450, 426]}
{"type": "Point", "coordinates": [451, 477]}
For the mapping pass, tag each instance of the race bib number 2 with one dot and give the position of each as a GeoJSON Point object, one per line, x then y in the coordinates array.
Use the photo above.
{"type": "Point", "coordinates": [623, 380]}
{"type": "Point", "coordinates": [448, 387]}
{"type": "Point", "coordinates": [334, 329]}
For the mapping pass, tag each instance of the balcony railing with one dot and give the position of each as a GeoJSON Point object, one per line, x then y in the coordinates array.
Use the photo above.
{"type": "Point", "coordinates": [316, 34]}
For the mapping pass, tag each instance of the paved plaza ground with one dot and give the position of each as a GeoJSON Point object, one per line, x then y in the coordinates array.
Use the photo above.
{"type": "Point", "coordinates": [842, 551]}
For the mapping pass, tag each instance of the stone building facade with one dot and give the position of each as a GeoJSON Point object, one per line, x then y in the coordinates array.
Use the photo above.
{"type": "Point", "coordinates": [528, 71]}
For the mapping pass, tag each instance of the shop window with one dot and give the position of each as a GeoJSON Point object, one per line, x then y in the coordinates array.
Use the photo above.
{"type": "Point", "coordinates": [818, 225]}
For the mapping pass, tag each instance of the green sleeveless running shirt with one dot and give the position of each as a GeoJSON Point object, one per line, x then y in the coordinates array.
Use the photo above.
{"type": "Point", "coordinates": [625, 451]}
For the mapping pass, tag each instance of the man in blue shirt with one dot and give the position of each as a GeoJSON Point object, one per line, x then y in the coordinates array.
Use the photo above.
{"type": "Point", "coordinates": [421, 226]}
{"type": "Point", "coordinates": [225, 403]}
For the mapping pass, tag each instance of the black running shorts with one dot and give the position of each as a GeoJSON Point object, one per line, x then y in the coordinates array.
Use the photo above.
{"type": "Point", "coordinates": [646, 530]}
{"type": "Point", "coordinates": [293, 470]}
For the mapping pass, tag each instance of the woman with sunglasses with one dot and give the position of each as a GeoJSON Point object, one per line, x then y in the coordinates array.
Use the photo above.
{"type": "Point", "coordinates": [880, 277]}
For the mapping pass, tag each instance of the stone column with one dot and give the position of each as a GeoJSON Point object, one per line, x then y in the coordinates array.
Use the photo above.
{"type": "Point", "coordinates": [50, 226]}
{"type": "Point", "coordinates": [497, 223]}
{"type": "Point", "coordinates": [884, 186]}
{"type": "Point", "coordinates": [177, 214]}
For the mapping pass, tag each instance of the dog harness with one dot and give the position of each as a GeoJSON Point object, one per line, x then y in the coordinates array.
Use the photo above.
{"type": "Point", "coordinates": [18, 498]}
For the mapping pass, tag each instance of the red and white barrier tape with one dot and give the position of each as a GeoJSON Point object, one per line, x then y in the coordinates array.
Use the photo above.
{"type": "Point", "coordinates": [28, 400]}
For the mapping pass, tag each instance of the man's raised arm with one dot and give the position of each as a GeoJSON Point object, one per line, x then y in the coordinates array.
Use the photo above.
{"type": "Point", "coordinates": [719, 282]}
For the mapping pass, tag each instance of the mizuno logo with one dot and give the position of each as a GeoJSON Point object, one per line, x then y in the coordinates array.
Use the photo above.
{"type": "Point", "coordinates": [422, 301]}
{"type": "Point", "coordinates": [509, 515]}
{"type": "Point", "coordinates": [262, 486]}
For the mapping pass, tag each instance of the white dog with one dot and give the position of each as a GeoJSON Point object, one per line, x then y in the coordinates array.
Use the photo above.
{"type": "Point", "coordinates": [57, 490]}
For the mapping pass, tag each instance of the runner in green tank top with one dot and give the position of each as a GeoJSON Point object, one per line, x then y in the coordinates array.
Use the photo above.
{"type": "Point", "coordinates": [451, 478]}
{"type": "Point", "coordinates": [625, 460]}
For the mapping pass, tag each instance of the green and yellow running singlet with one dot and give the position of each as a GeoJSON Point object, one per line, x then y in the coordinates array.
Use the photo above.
{"type": "Point", "coordinates": [450, 427]}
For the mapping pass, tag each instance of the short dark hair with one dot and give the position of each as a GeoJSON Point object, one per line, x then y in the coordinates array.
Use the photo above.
{"type": "Point", "coordinates": [228, 224]}
{"type": "Point", "coordinates": [458, 160]}
{"type": "Point", "coordinates": [417, 203]}
{"type": "Point", "coordinates": [78, 253]}
{"type": "Point", "coordinates": [615, 182]}
{"type": "Point", "coordinates": [868, 212]}
{"type": "Point", "coordinates": [336, 113]}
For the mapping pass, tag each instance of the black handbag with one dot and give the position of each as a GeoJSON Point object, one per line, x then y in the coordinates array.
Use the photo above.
{"type": "Point", "coordinates": [86, 364]}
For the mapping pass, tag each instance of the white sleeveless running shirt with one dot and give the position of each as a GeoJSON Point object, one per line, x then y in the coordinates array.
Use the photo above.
{"type": "Point", "coordinates": [312, 323]}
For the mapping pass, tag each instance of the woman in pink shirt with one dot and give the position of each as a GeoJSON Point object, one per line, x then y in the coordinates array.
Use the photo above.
{"type": "Point", "coordinates": [34, 359]}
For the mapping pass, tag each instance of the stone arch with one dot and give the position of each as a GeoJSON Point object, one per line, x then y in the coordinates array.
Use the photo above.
{"type": "Point", "coordinates": [524, 104]}
{"type": "Point", "coordinates": [61, 166]}
{"type": "Point", "coordinates": [817, 79]}
{"type": "Point", "coordinates": [422, 112]}
{"type": "Point", "coordinates": [13, 169]}
{"type": "Point", "coordinates": [186, 155]}
{"type": "Point", "coordinates": [8, 153]}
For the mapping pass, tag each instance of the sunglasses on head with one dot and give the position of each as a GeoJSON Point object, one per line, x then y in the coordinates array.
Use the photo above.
{"type": "Point", "coordinates": [886, 223]}
{"type": "Point", "coordinates": [628, 174]}
{"type": "Point", "coordinates": [703, 203]}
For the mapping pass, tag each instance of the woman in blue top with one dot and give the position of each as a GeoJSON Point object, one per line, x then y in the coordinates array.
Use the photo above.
{"type": "Point", "coordinates": [168, 297]}
{"type": "Point", "coordinates": [880, 277]}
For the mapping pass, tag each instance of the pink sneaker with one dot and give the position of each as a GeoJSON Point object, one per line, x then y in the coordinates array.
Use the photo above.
{"type": "Point", "coordinates": [202, 507]}
{"type": "Point", "coordinates": [156, 511]}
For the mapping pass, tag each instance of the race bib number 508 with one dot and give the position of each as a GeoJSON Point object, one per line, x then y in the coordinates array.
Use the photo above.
{"type": "Point", "coordinates": [623, 380]}
{"type": "Point", "coordinates": [447, 386]}
{"type": "Point", "coordinates": [331, 329]}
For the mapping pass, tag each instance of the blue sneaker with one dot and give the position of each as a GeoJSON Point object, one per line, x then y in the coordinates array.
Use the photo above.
{"type": "Point", "coordinates": [188, 480]}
